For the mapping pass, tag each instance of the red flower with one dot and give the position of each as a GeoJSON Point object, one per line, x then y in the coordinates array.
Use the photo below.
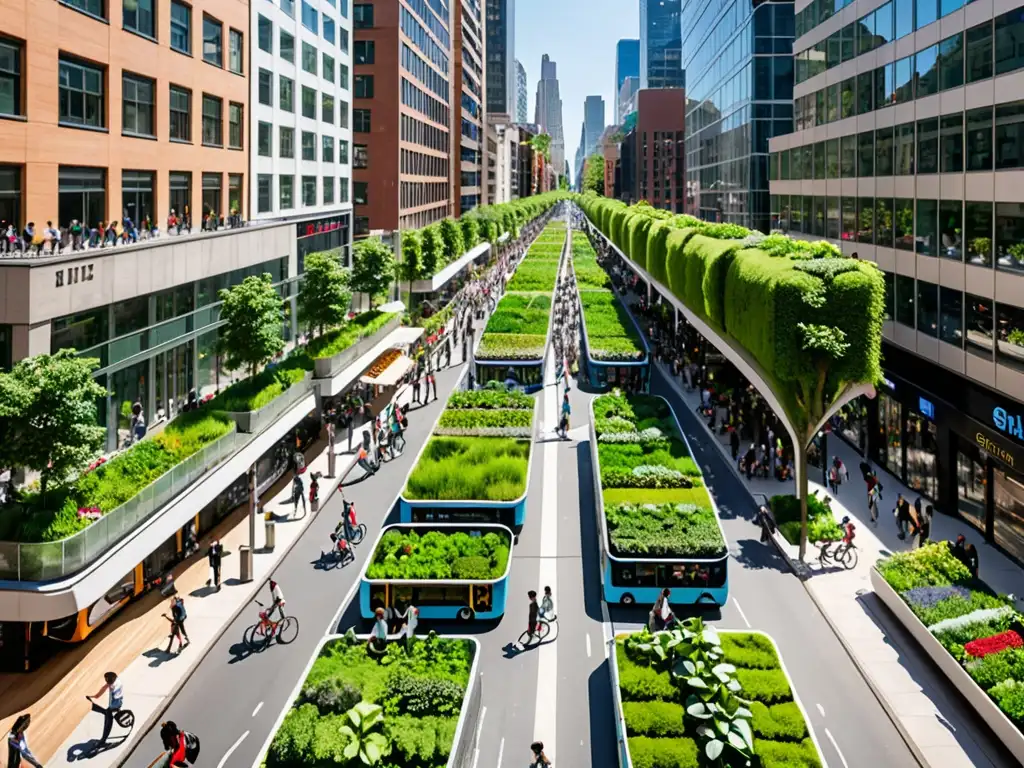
{"type": "Point", "coordinates": [986, 645]}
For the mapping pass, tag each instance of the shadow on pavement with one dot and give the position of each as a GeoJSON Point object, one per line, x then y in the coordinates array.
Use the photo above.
{"type": "Point", "coordinates": [87, 750]}
{"type": "Point", "coordinates": [590, 541]}
{"type": "Point", "coordinates": [603, 749]}
{"type": "Point", "coordinates": [752, 554]}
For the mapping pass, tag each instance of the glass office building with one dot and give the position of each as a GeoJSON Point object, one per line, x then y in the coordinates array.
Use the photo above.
{"type": "Point", "coordinates": [739, 65]}
{"type": "Point", "coordinates": [660, 55]}
{"type": "Point", "coordinates": [907, 150]}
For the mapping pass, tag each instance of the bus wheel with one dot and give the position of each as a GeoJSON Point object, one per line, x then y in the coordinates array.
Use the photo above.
{"type": "Point", "coordinates": [627, 599]}
{"type": "Point", "coordinates": [465, 613]}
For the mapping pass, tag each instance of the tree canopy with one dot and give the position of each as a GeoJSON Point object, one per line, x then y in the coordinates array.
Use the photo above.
{"type": "Point", "coordinates": [253, 317]}
{"type": "Point", "coordinates": [324, 296]}
{"type": "Point", "coordinates": [373, 268]}
{"type": "Point", "coordinates": [593, 174]}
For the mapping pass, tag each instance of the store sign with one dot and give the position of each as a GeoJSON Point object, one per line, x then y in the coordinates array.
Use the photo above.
{"type": "Point", "coordinates": [926, 407]}
{"type": "Point", "coordinates": [993, 449]}
{"type": "Point", "coordinates": [72, 275]}
{"type": "Point", "coordinates": [1008, 423]}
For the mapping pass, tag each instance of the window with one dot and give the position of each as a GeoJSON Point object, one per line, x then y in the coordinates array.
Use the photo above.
{"type": "Point", "coordinates": [343, 189]}
{"type": "Point", "coordinates": [327, 148]}
{"type": "Point", "coordinates": [286, 191]}
{"type": "Point", "coordinates": [927, 227]}
{"type": "Point", "coordinates": [849, 219]}
{"type": "Point", "coordinates": [10, 79]}
{"type": "Point", "coordinates": [343, 76]}
{"type": "Point", "coordinates": [847, 157]}
{"type": "Point", "coordinates": [288, 6]}
{"type": "Point", "coordinates": [903, 83]}
{"type": "Point", "coordinates": [1009, 235]}
{"type": "Point", "coordinates": [951, 140]}
{"type": "Point", "coordinates": [264, 189]}
{"type": "Point", "coordinates": [360, 195]}
{"type": "Point", "coordinates": [951, 316]}
{"type": "Point", "coordinates": [832, 218]}
{"type": "Point", "coordinates": [181, 27]}
{"type": "Point", "coordinates": [1009, 134]}
{"type": "Point", "coordinates": [310, 19]}
{"type": "Point", "coordinates": [328, 190]}
{"type": "Point", "coordinates": [904, 17]}
{"type": "Point", "coordinates": [235, 194]}
{"type": "Point", "coordinates": [1009, 31]}
{"type": "Point", "coordinates": [265, 38]}
{"type": "Point", "coordinates": [137, 195]}
{"type": "Point", "coordinates": [928, 146]}
{"type": "Point", "coordinates": [865, 219]}
{"type": "Point", "coordinates": [865, 92]}
{"type": "Point", "coordinates": [213, 52]}
{"type": "Point", "coordinates": [92, 7]}
{"type": "Point", "coordinates": [928, 308]}
{"type": "Point", "coordinates": [866, 154]}
{"type": "Point", "coordinates": [979, 52]}
{"type": "Point", "coordinates": [343, 113]}
{"type": "Point", "coordinates": [884, 229]}
{"type": "Point", "coordinates": [905, 291]}
{"type": "Point", "coordinates": [361, 120]}
{"type": "Point", "coordinates": [308, 58]}
{"type": "Point", "coordinates": [885, 85]}
{"type": "Point", "coordinates": [363, 87]}
{"type": "Point", "coordinates": [82, 194]}
{"type": "Point", "coordinates": [832, 103]}
{"type": "Point", "coordinates": [212, 194]}
{"type": "Point", "coordinates": [364, 52]}
{"type": "Point", "coordinates": [235, 125]}
{"type": "Point", "coordinates": [927, 11]}
{"type": "Point", "coordinates": [978, 233]}
{"type": "Point", "coordinates": [308, 145]}
{"type": "Point", "coordinates": [883, 151]}
{"type": "Point", "coordinates": [905, 152]}
{"type": "Point", "coordinates": [327, 108]}
{"type": "Point", "coordinates": [883, 25]}
{"type": "Point", "coordinates": [138, 17]}
{"type": "Point", "coordinates": [213, 121]}
{"type": "Point", "coordinates": [951, 62]}
{"type": "Point", "coordinates": [890, 295]}
{"type": "Point", "coordinates": [951, 229]}
{"type": "Point", "coordinates": [927, 71]}
{"type": "Point", "coordinates": [81, 94]}
{"type": "Point", "coordinates": [137, 100]}
{"type": "Point", "coordinates": [832, 158]}
{"type": "Point", "coordinates": [362, 15]}
{"type": "Point", "coordinates": [980, 324]}
{"type": "Point", "coordinates": [309, 102]}
{"type": "Point", "coordinates": [819, 160]}
{"type": "Point", "coordinates": [309, 190]}
{"type": "Point", "coordinates": [903, 224]}
{"type": "Point", "coordinates": [180, 102]}
{"type": "Point", "coordinates": [328, 30]}
{"type": "Point", "coordinates": [286, 46]}
{"type": "Point", "coordinates": [360, 156]}
{"type": "Point", "coordinates": [286, 142]}
{"type": "Point", "coordinates": [181, 190]}
{"type": "Point", "coordinates": [343, 151]}
{"type": "Point", "coordinates": [286, 93]}
{"type": "Point", "coordinates": [235, 51]}
{"type": "Point", "coordinates": [327, 68]}
{"type": "Point", "coordinates": [343, 40]}
{"type": "Point", "coordinates": [265, 81]}
{"type": "Point", "coordinates": [979, 139]}
{"type": "Point", "coordinates": [848, 98]}
{"type": "Point", "coordinates": [264, 138]}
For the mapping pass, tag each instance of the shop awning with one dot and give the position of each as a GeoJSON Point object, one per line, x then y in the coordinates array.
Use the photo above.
{"type": "Point", "coordinates": [392, 374]}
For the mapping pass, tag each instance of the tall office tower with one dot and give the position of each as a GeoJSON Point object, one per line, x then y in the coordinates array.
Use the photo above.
{"type": "Point", "coordinates": [581, 152]}
{"type": "Point", "coordinates": [468, 119]}
{"type": "Point", "coordinates": [627, 64]}
{"type": "Point", "coordinates": [501, 56]}
{"type": "Point", "coordinates": [402, 114]}
{"type": "Point", "coordinates": [912, 160]}
{"type": "Point", "coordinates": [522, 113]}
{"type": "Point", "coordinates": [593, 121]}
{"type": "Point", "coordinates": [661, 61]}
{"type": "Point", "coordinates": [548, 113]}
{"type": "Point", "coordinates": [627, 98]}
{"type": "Point", "coordinates": [301, 114]}
{"type": "Point", "coordinates": [726, 145]}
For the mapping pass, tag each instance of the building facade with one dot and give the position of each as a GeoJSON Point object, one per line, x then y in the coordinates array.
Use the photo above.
{"type": "Point", "coordinates": [627, 64]}
{"type": "Point", "coordinates": [739, 98]}
{"type": "Point", "coordinates": [906, 151]}
{"type": "Point", "coordinates": [593, 121]}
{"type": "Point", "coordinates": [522, 110]}
{"type": "Point", "coordinates": [581, 155]}
{"type": "Point", "coordinates": [610, 152]}
{"type": "Point", "coordinates": [626, 100]}
{"type": "Point", "coordinates": [501, 56]}
{"type": "Point", "coordinates": [503, 160]}
{"type": "Point", "coordinates": [403, 86]}
{"type": "Point", "coordinates": [468, 121]}
{"type": "Point", "coordinates": [660, 142]}
{"type": "Point", "coordinates": [661, 61]}
{"type": "Point", "coordinates": [548, 110]}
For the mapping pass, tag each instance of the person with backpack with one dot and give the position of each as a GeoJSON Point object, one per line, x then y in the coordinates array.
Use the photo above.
{"type": "Point", "coordinates": [182, 746]}
{"type": "Point", "coordinates": [177, 620]}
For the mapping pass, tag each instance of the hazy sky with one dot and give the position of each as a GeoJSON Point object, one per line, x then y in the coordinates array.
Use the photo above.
{"type": "Point", "coordinates": [580, 37]}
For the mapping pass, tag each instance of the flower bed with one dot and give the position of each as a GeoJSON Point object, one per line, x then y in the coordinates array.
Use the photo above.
{"type": "Point", "coordinates": [534, 276]}
{"type": "Point", "coordinates": [401, 711]}
{"type": "Point", "coordinates": [490, 398]}
{"type": "Point", "coordinates": [978, 629]}
{"type": "Point", "coordinates": [696, 698]}
{"type": "Point", "coordinates": [521, 314]}
{"type": "Point", "coordinates": [471, 469]}
{"type": "Point", "coordinates": [440, 555]}
{"type": "Point", "coordinates": [821, 523]}
{"type": "Point", "coordinates": [486, 422]}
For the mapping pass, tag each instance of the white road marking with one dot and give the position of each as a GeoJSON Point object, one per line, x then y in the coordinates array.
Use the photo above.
{"type": "Point", "coordinates": [258, 707]}
{"type": "Point", "coordinates": [742, 614]}
{"type": "Point", "coordinates": [838, 751]}
{"type": "Point", "coordinates": [501, 751]}
{"type": "Point", "coordinates": [480, 726]}
{"type": "Point", "coordinates": [232, 748]}
{"type": "Point", "coordinates": [588, 645]}
{"type": "Point", "coordinates": [821, 709]}
{"type": "Point", "coordinates": [476, 757]}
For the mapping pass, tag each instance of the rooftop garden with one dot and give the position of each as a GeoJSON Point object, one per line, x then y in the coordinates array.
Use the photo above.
{"type": "Point", "coordinates": [697, 698]}
{"type": "Point", "coordinates": [981, 630]}
{"type": "Point", "coordinates": [341, 338]}
{"type": "Point", "coordinates": [401, 710]}
{"type": "Point", "coordinates": [440, 555]}
{"type": "Point", "coordinates": [487, 413]}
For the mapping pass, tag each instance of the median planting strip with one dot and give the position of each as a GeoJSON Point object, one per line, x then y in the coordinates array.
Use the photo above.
{"type": "Point", "coordinates": [411, 554]}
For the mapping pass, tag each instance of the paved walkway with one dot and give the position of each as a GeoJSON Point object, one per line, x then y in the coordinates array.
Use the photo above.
{"type": "Point", "coordinates": [939, 727]}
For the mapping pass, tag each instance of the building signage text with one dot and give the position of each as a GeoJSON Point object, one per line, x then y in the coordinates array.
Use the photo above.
{"type": "Point", "coordinates": [992, 448]}
{"type": "Point", "coordinates": [71, 275]}
{"type": "Point", "coordinates": [1008, 423]}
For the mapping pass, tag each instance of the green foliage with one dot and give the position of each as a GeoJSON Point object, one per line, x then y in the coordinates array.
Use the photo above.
{"type": "Point", "coordinates": [451, 236]}
{"type": "Point", "coordinates": [695, 496]}
{"type": "Point", "coordinates": [782, 754]}
{"type": "Point", "coordinates": [611, 334]}
{"type": "Point", "coordinates": [997, 667]}
{"type": "Point", "coordinates": [821, 523]}
{"type": "Point", "coordinates": [487, 398]}
{"type": "Point", "coordinates": [49, 413]}
{"type": "Point", "coordinates": [511, 346]}
{"type": "Point", "coordinates": [779, 722]}
{"type": "Point", "coordinates": [470, 468]}
{"type": "Point", "coordinates": [663, 753]}
{"type": "Point", "coordinates": [531, 276]}
{"type": "Point", "coordinates": [521, 314]}
{"type": "Point", "coordinates": [654, 718]}
{"type": "Point", "coordinates": [331, 695]}
{"type": "Point", "coordinates": [470, 233]}
{"type": "Point", "coordinates": [930, 565]}
{"type": "Point", "coordinates": [752, 651]}
{"type": "Point", "coordinates": [253, 317]}
{"type": "Point", "coordinates": [421, 741]}
{"type": "Point", "coordinates": [340, 339]}
{"type": "Point", "coordinates": [432, 255]}
{"type": "Point", "coordinates": [260, 390]}
{"type": "Point", "coordinates": [324, 296]}
{"type": "Point", "coordinates": [764, 685]}
{"type": "Point", "coordinates": [955, 606]}
{"type": "Point", "coordinates": [412, 255]}
{"type": "Point", "coordinates": [666, 530]}
{"type": "Point", "coordinates": [593, 174]}
{"type": "Point", "coordinates": [373, 268]}
{"type": "Point", "coordinates": [423, 696]}
{"type": "Point", "coordinates": [1009, 695]}
{"type": "Point", "coordinates": [437, 555]}
{"type": "Point", "coordinates": [362, 732]}
{"type": "Point", "coordinates": [485, 417]}
{"type": "Point", "coordinates": [643, 683]}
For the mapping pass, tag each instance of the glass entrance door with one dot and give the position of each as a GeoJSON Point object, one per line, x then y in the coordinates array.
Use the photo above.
{"type": "Point", "coordinates": [971, 480]}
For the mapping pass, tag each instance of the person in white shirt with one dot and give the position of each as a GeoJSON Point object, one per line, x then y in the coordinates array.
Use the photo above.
{"type": "Point", "coordinates": [547, 605]}
{"type": "Point", "coordinates": [277, 598]}
{"type": "Point", "coordinates": [379, 637]}
{"type": "Point", "coordinates": [112, 686]}
{"type": "Point", "coordinates": [411, 620]}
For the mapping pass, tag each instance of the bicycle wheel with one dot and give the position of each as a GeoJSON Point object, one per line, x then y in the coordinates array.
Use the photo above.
{"type": "Point", "coordinates": [358, 534]}
{"type": "Point", "coordinates": [287, 630]}
{"type": "Point", "coordinates": [825, 557]}
{"type": "Point", "coordinates": [545, 630]}
{"type": "Point", "coordinates": [849, 558]}
{"type": "Point", "coordinates": [125, 718]}
{"type": "Point", "coordinates": [255, 638]}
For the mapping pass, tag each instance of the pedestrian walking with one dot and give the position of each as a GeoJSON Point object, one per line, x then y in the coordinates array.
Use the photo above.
{"type": "Point", "coordinates": [833, 481]}
{"type": "Point", "coordinates": [115, 701]}
{"type": "Point", "coordinates": [363, 460]}
{"type": "Point", "coordinates": [973, 562]}
{"type": "Point", "coordinates": [298, 493]}
{"type": "Point", "coordinates": [902, 514]}
{"type": "Point", "coordinates": [17, 744]}
{"type": "Point", "coordinates": [873, 506]}
{"type": "Point", "coordinates": [767, 522]}
{"type": "Point", "coordinates": [214, 555]}
{"type": "Point", "coordinates": [734, 444]}
{"type": "Point", "coordinates": [431, 385]}
{"type": "Point", "coordinates": [924, 526]}
{"type": "Point", "coordinates": [177, 621]}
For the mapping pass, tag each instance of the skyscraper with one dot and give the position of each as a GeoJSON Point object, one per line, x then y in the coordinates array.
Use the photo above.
{"type": "Point", "coordinates": [627, 64]}
{"type": "Point", "coordinates": [468, 153]}
{"type": "Point", "coordinates": [501, 56]}
{"type": "Point", "coordinates": [593, 122]}
{"type": "Point", "coordinates": [521, 113]}
{"type": "Point", "coordinates": [626, 99]}
{"type": "Point", "coordinates": [548, 113]}
{"type": "Point", "coordinates": [661, 45]}
{"type": "Point", "coordinates": [581, 152]}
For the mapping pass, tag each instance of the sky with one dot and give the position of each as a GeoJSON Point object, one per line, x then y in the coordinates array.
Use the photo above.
{"type": "Point", "coordinates": [580, 37]}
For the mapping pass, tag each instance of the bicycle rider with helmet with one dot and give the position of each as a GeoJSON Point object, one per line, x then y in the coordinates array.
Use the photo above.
{"type": "Point", "coordinates": [849, 532]}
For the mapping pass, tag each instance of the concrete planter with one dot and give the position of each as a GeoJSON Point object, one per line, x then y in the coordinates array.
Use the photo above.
{"type": "Point", "coordinates": [994, 717]}
{"type": "Point", "coordinates": [254, 422]}
{"type": "Point", "coordinates": [442, 278]}
{"type": "Point", "coordinates": [327, 367]}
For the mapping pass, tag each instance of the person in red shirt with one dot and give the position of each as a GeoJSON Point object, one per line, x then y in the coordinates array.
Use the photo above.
{"type": "Point", "coordinates": [849, 531]}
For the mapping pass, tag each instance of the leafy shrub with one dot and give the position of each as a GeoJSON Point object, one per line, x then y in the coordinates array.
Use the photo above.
{"type": "Point", "coordinates": [765, 685]}
{"type": "Point", "coordinates": [996, 667]}
{"type": "Point", "coordinates": [486, 418]}
{"type": "Point", "coordinates": [821, 523]}
{"type": "Point", "coordinates": [613, 424]}
{"type": "Point", "coordinates": [488, 398]}
{"type": "Point", "coordinates": [697, 496]}
{"type": "Point", "coordinates": [534, 276]}
{"type": "Point", "coordinates": [293, 740]}
{"type": "Point", "coordinates": [643, 683]}
{"type": "Point", "coordinates": [654, 718]}
{"type": "Point", "coordinates": [611, 334]}
{"type": "Point", "coordinates": [644, 476]}
{"type": "Point", "coordinates": [776, 754]}
{"type": "Point", "coordinates": [257, 391]}
{"type": "Point", "coordinates": [421, 741]}
{"type": "Point", "coordinates": [955, 605]}
{"type": "Point", "coordinates": [1009, 695]}
{"type": "Point", "coordinates": [980, 616]}
{"type": "Point", "coordinates": [421, 696]}
{"type": "Point", "coordinates": [629, 455]}
{"type": "Point", "coordinates": [650, 435]}
{"type": "Point", "coordinates": [331, 695]}
{"type": "Point", "coordinates": [511, 346]}
{"type": "Point", "coordinates": [780, 721]}
{"type": "Point", "coordinates": [470, 468]}
{"type": "Point", "coordinates": [437, 555]}
{"type": "Point", "coordinates": [668, 530]}
{"type": "Point", "coordinates": [340, 339]}
{"type": "Point", "coordinates": [984, 646]}
{"type": "Point", "coordinates": [752, 650]}
{"type": "Point", "coordinates": [663, 753]}
{"type": "Point", "coordinates": [978, 624]}
{"type": "Point", "coordinates": [930, 565]}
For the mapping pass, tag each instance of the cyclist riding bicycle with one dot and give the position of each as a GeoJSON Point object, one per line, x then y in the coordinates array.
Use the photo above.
{"type": "Point", "coordinates": [277, 600]}
{"type": "Point", "coordinates": [849, 532]}
{"type": "Point", "coordinates": [349, 519]}
{"type": "Point", "coordinates": [340, 538]}
{"type": "Point", "coordinates": [547, 605]}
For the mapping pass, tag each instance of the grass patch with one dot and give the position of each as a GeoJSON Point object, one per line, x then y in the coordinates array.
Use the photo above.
{"type": "Point", "coordinates": [439, 555]}
{"type": "Point", "coordinates": [470, 469]}
{"type": "Point", "coordinates": [490, 398]}
{"type": "Point", "coordinates": [697, 496]}
{"type": "Point", "coordinates": [258, 391]}
{"type": "Point", "coordinates": [511, 346]}
{"type": "Point", "coordinates": [340, 339]}
{"type": "Point", "coordinates": [534, 276]}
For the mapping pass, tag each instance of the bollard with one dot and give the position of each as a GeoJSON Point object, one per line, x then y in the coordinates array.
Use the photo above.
{"type": "Point", "coordinates": [269, 535]}
{"type": "Point", "coordinates": [245, 563]}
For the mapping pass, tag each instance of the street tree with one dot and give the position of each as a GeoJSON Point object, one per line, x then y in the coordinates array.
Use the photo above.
{"type": "Point", "coordinates": [451, 234]}
{"type": "Point", "coordinates": [253, 317]}
{"type": "Point", "coordinates": [324, 296]}
{"type": "Point", "coordinates": [373, 268]}
{"type": "Point", "coordinates": [432, 256]}
{"type": "Point", "coordinates": [49, 408]}
{"type": "Point", "coordinates": [593, 174]}
{"type": "Point", "coordinates": [470, 232]}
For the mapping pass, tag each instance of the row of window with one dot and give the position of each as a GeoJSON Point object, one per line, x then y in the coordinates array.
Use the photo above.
{"type": "Point", "coordinates": [415, 32]}
{"type": "Point", "coordinates": [424, 103]}
{"type": "Point", "coordinates": [286, 144]}
{"type": "Point", "coordinates": [309, 100]}
{"type": "Point", "coordinates": [362, 15]}
{"type": "Point", "coordinates": [310, 188]}
{"type": "Point", "coordinates": [975, 232]}
{"type": "Point", "coordinates": [418, 68]}
{"type": "Point", "coordinates": [419, 164]}
{"type": "Point", "coordinates": [413, 194]}
{"type": "Point", "coordinates": [983, 139]}
{"type": "Point", "coordinates": [899, 18]}
{"type": "Point", "coordinates": [438, 24]}
{"type": "Point", "coordinates": [417, 132]}
{"type": "Point", "coordinates": [315, 21]}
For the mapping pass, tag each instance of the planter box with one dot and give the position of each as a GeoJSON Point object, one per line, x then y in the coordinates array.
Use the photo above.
{"type": "Point", "coordinates": [987, 709]}
{"type": "Point", "coordinates": [327, 367]}
{"type": "Point", "coordinates": [254, 422]}
{"type": "Point", "coordinates": [438, 281]}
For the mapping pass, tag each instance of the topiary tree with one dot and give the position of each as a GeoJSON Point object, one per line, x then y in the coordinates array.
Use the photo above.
{"type": "Point", "coordinates": [451, 236]}
{"type": "Point", "coordinates": [412, 250]}
{"type": "Point", "coordinates": [373, 268]}
{"type": "Point", "coordinates": [324, 296]}
{"type": "Point", "coordinates": [253, 316]}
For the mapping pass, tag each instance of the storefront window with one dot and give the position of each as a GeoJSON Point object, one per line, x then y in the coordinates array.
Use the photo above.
{"type": "Point", "coordinates": [979, 326]}
{"type": "Point", "coordinates": [1010, 335]}
{"type": "Point", "coordinates": [970, 486]}
{"type": "Point", "coordinates": [891, 426]}
{"type": "Point", "coordinates": [851, 422]}
{"type": "Point", "coordinates": [129, 386]}
{"type": "Point", "coordinates": [1008, 522]}
{"type": "Point", "coordinates": [922, 449]}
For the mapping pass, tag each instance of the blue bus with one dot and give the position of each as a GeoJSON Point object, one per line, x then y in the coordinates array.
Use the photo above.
{"type": "Point", "coordinates": [602, 375]}
{"type": "Point", "coordinates": [437, 599]}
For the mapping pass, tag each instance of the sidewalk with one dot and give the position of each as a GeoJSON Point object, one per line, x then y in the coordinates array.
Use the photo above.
{"type": "Point", "coordinates": [939, 727]}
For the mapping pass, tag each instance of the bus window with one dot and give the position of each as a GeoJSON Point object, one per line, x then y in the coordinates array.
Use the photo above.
{"type": "Point", "coordinates": [646, 575]}
{"type": "Point", "coordinates": [123, 589]}
{"type": "Point", "coordinates": [439, 596]}
{"type": "Point", "coordinates": [482, 598]}
{"type": "Point", "coordinates": [401, 596]}
{"type": "Point", "coordinates": [378, 596]}
{"type": "Point", "coordinates": [672, 575]}
{"type": "Point", "coordinates": [623, 574]}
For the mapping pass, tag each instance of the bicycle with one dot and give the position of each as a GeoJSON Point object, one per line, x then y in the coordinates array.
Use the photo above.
{"type": "Point", "coordinates": [258, 636]}
{"type": "Point", "coordinates": [539, 636]}
{"type": "Point", "coordinates": [844, 554]}
{"type": "Point", "coordinates": [123, 717]}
